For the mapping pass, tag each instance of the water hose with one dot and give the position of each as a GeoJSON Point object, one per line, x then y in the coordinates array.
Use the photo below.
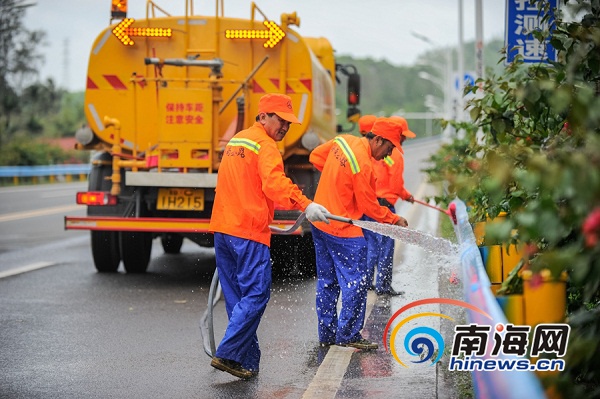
{"type": "Point", "coordinates": [206, 322]}
{"type": "Point", "coordinates": [291, 229]}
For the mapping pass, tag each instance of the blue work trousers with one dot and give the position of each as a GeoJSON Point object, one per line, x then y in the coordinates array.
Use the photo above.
{"type": "Point", "coordinates": [245, 274]}
{"type": "Point", "coordinates": [380, 256]}
{"type": "Point", "coordinates": [341, 268]}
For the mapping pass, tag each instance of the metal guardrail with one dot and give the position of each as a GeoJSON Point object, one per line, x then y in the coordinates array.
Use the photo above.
{"type": "Point", "coordinates": [44, 170]}
{"type": "Point", "coordinates": [477, 292]}
{"type": "Point", "coordinates": [52, 172]}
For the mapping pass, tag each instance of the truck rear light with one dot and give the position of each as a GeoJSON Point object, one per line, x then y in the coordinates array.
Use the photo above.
{"type": "Point", "coordinates": [96, 198]}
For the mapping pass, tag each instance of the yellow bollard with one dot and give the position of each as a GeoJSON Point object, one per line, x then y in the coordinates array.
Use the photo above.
{"type": "Point", "coordinates": [494, 287]}
{"type": "Point", "coordinates": [479, 232]}
{"type": "Point", "coordinates": [491, 256]}
{"type": "Point", "coordinates": [512, 306]}
{"type": "Point", "coordinates": [510, 258]}
{"type": "Point", "coordinates": [546, 299]}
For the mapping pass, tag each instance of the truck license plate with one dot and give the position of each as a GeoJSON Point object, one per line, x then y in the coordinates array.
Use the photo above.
{"type": "Point", "coordinates": [180, 199]}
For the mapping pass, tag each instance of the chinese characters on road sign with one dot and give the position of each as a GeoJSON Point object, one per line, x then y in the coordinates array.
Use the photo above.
{"type": "Point", "coordinates": [522, 19]}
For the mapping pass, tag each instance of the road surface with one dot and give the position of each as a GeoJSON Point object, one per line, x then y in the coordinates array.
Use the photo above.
{"type": "Point", "coordinates": [67, 331]}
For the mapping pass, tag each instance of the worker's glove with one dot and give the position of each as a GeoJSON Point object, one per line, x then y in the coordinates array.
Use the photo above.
{"type": "Point", "coordinates": [316, 213]}
{"type": "Point", "coordinates": [411, 199]}
{"type": "Point", "coordinates": [402, 222]}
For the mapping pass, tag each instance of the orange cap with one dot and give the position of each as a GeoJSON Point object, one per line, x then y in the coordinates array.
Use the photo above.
{"type": "Point", "coordinates": [388, 129]}
{"type": "Point", "coordinates": [405, 132]}
{"type": "Point", "coordinates": [278, 104]}
{"type": "Point", "coordinates": [365, 123]}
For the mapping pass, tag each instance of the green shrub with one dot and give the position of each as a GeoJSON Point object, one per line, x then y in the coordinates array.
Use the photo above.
{"type": "Point", "coordinates": [532, 149]}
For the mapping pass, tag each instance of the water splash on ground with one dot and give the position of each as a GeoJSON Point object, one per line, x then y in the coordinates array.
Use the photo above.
{"type": "Point", "coordinates": [426, 241]}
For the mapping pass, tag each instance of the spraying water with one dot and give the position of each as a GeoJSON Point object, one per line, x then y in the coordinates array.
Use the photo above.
{"type": "Point", "coordinates": [424, 240]}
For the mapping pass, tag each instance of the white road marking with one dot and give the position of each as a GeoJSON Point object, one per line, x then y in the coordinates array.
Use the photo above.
{"type": "Point", "coordinates": [329, 376]}
{"type": "Point", "coordinates": [63, 193]}
{"type": "Point", "coordinates": [42, 212]}
{"type": "Point", "coordinates": [25, 269]}
{"type": "Point", "coordinates": [42, 187]}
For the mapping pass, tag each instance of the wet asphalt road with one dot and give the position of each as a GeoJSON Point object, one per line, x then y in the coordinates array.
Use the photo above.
{"type": "Point", "coordinates": [69, 332]}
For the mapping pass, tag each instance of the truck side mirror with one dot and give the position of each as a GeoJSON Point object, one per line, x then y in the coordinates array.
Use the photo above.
{"type": "Point", "coordinates": [353, 94]}
{"type": "Point", "coordinates": [353, 90]}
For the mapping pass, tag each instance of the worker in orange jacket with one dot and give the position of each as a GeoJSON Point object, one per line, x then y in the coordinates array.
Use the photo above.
{"type": "Point", "coordinates": [347, 189]}
{"type": "Point", "coordinates": [251, 180]}
{"type": "Point", "coordinates": [389, 187]}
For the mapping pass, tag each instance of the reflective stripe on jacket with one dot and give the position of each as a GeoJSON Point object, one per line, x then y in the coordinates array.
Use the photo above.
{"type": "Point", "coordinates": [347, 184]}
{"type": "Point", "coordinates": [250, 182]}
{"type": "Point", "coordinates": [389, 178]}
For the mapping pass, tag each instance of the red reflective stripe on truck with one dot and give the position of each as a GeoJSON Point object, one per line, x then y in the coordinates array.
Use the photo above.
{"type": "Point", "coordinates": [307, 83]}
{"type": "Point", "coordinates": [288, 89]}
{"type": "Point", "coordinates": [257, 88]}
{"type": "Point", "coordinates": [115, 82]}
{"type": "Point", "coordinates": [90, 84]}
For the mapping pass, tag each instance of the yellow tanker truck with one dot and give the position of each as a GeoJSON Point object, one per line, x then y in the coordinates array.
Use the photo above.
{"type": "Point", "coordinates": [165, 94]}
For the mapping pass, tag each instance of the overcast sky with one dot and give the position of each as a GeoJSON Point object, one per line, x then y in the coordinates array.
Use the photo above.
{"type": "Point", "coordinates": [379, 29]}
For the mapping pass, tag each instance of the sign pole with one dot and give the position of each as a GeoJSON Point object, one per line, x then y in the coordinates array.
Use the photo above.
{"type": "Point", "coordinates": [461, 66]}
{"type": "Point", "coordinates": [478, 40]}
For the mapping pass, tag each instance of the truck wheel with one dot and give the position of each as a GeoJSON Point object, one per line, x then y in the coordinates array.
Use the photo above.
{"type": "Point", "coordinates": [105, 250]}
{"type": "Point", "coordinates": [136, 248]}
{"type": "Point", "coordinates": [105, 244]}
{"type": "Point", "coordinates": [171, 243]}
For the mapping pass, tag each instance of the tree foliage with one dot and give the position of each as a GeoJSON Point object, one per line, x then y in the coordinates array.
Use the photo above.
{"type": "Point", "coordinates": [29, 109]}
{"type": "Point", "coordinates": [388, 88]}
{"type": "Point", "coordinates": [19, 61]}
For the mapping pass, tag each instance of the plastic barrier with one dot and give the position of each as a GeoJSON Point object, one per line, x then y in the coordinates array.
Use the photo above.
{"type": "Point", "coordinates": [477, 292]}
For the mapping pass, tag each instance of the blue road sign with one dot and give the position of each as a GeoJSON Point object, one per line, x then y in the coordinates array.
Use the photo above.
{"type": "Point", "coordinates": [523, 18]}
{"type": "Point", "coordinates": [468, 80]}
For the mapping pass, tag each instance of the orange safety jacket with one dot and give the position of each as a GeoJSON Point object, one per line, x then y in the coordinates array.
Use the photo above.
{"type": "Point", "coordinates": [347, 184]}
{"type": "Point", "coordinates": [389, 177]}
{"type": "Point", "coordinates": [251, 180]}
